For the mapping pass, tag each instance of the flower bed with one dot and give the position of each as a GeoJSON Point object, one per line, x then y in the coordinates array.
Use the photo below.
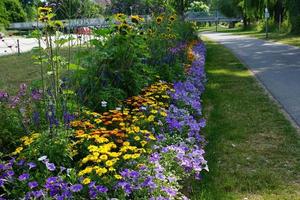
{"type": "Point", "coordinates": [142, 150]}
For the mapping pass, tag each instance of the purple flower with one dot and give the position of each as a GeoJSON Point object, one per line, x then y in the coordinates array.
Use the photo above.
{"type": "Point", "coordinates": [76, 188]}
{"type": "Point", "coordinates": [50, 166]}
{"type": "Point", "coordinates": [38, 194]}
{"type": "Point", "coordinates": [13, 101]}
{"type": "Point", "coordinates": [36, 95]}
{"type": "Point", "coordinates": [31, 165]}
{"type": "Point", "coordinates": [10, 173]}
{"type": "Point", "coordinates": [1, 182]}
{"type": "Point", "coordinates": [154, 157]}
{"type": "Point", "coordinates": [23, 177]}
{"type": "Point", "coordinates": [3, 95]}
{"type": "Point", "coordinates": [21, 162]}
{"type": "Point", "coordinates": [101, 189]}
{"type": "Point", "coordinates": [33, 184]}
{"type": "Point", "coordinates": [22, 89]}
{"type": "Point", "coordinates": [170, 191]}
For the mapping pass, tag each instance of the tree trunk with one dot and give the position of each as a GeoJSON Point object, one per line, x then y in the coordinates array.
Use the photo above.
{"type": "Point", "coordinates": [278, 12]}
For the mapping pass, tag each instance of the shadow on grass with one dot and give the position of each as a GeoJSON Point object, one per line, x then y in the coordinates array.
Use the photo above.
{"type": "Point", "coordinates": [253, 150]}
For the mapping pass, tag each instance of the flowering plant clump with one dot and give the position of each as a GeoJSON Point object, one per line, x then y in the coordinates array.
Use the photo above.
{"type": "Point", "coordinates": [142, 149]}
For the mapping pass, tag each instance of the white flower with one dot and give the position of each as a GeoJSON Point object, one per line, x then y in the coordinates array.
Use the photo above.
{"type": "Point", "coordinates": [206, 168]}
{"type": "Point", "coordinates": [118, 108]}
{"type": "Point", "coordinates": [42, 158]}
{"type": "Point", "coordinates": [103, 103]}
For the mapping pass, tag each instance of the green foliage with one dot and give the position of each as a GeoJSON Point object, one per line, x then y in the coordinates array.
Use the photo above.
{"type": "Point", "coordinates": [115, 69]}
{"type": "Point", "coordinates": [126, 58]}
{"type": "Point", "coordinates": [11, 129]}
{"type": "Point", "coordinates": [3, 14]}
{"type": "Point", "coordinates": [199, 6]}
{"type": "Point", "coordinates": [56, 148]}
{"type": "Point", "coordinates": [74, 9]}
{"type": "Point", "coordinates": [14, 11]}
{"type": "Point", "coordinates": [137, 6]}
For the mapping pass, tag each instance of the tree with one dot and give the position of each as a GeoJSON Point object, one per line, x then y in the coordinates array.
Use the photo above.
{"type": "Point", "coordinates": [14, 11]}
{"type": "Point", "coordinates": [293, 7]}
{"type": "Point", "coordinates": [199, 6]}
{"type": "Point", "coordinates": [3, 15]}
{"type": "Point", "coordinates": [73, 9]}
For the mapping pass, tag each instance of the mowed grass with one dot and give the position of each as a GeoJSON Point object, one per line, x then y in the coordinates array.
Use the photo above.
{"type": "Point", "coordinates": [284, 38]}
{"type": "Point", "coordinates": [253, 151]}
{"type": "Point", "coordinates": [16, 69]}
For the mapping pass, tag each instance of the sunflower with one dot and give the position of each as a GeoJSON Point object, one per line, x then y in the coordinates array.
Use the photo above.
{"type": "Point", "coordinates": [44, 18]}
{"type": "Point", "coordinates": [124, 28]}
{"type": "Point", "coordinates": [136, 19]}
{"type": "Point", "coordinates": [159, 20]}
{"type": "Point", "coordinates": [44, 10]}
{"type": "Point", "coordinates": [120, 16]}
{"type": "Point", "coordinates": [172, 18]}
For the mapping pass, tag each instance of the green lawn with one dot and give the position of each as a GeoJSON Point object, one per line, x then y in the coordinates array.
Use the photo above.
{"type": "Point", "coordinates": [273, 36]}
{"type": "Point", "coordinates": [15, 69]}
{"type": "Point", "coordinates": [253, 151]}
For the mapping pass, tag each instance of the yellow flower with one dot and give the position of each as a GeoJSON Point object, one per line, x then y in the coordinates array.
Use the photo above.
{"type": "Point", "coordinates": [159, 20]}
{"type": "Point", "coordinates": [164, 114]}
{"type": "Point", "coordinates": [126, 156]}
{"type": "Point", "coordinates": [117, 176]}
{"type": "Point", "coordinates": [154, 111]}
{"type": "Point", "coordinates": [172, 18]}
{"type": "Point", "coordinates": [126, 143]}
{"type": "Point", "coordinates": [28, 141]}
{"type": "Point", "coordinates": [109, 163]}
{"type": "Point", "coordinates": [114, 154]}
{"type": "Point", "coordinates": [111, 169]}
{"type": "Point", "coordinates": [137, 138]}
{"type": "Point", "coordinates": [101, 139]}
{"type": "Point", "coordinates": [85, 159]}
{"type": "Point", "coordinates": [136, 129]}
{"type": "Point", "coordinates": [17, 151]}
{"type": "Point", "coordinates": [151, 137]}
{"type": "Point", "coordinates": [143, 143]}
{"type": "Point", "coordinates": [103, 157]}
{"type": "Point", "coordinates": [100, 171]}
{"type": "Point", "coordinates": [135, 156]}
{"type": "Point", "coordinates": [86, 181]}
{"type": "Point", "coordinates": [151, 118]}
{"type": "Point", "coordinates": [98, 121]}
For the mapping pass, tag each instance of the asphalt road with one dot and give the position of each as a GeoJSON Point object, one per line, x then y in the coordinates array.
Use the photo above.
{"type": "Point", "coordinates": [276, 65]}
{"type": "Point", "coordinates": [9, 45]}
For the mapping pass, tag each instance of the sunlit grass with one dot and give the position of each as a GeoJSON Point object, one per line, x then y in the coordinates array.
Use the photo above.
{"type": "Point", "coordinates": [284, 38]}
{"type": "Point", "coordinates": [16, 69]}
{"type": "Point", "coordinates": [253, 151]}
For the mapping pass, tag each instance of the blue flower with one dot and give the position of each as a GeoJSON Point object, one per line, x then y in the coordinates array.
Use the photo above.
{"type": "Point", "coordinates": [50, 166]}
{"type": "Point", "coordinates": [76, 188]}
{"type": "Point", "coordinates": [33, 184]}
{"type": "Point", "coordinates": [23, 177]}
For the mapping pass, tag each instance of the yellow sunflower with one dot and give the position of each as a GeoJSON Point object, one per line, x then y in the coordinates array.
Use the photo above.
{"type": "Point", "coordinates": [159, 20]}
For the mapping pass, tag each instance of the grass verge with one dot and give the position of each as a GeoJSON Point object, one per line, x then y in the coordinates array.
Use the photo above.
{"type": "Point", "coordinates": [253, 150]}
{"type": "Point", "coordinates": [273, 36]}
{"type": "Point", "coordinates": [16, 69]}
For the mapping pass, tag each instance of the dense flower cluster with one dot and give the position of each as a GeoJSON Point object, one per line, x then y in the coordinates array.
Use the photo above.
{"type": "Point", "coordinates": [140, 150]}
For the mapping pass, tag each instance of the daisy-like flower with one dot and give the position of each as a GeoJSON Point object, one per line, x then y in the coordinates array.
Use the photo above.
{"type": "Point", "coordinates": [159, 20]}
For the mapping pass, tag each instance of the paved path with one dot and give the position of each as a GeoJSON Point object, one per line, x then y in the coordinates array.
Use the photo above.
{"type": "Point", "coordinates": [9, 45]}
{"type": "Point", "coordinates": [276, 65]}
